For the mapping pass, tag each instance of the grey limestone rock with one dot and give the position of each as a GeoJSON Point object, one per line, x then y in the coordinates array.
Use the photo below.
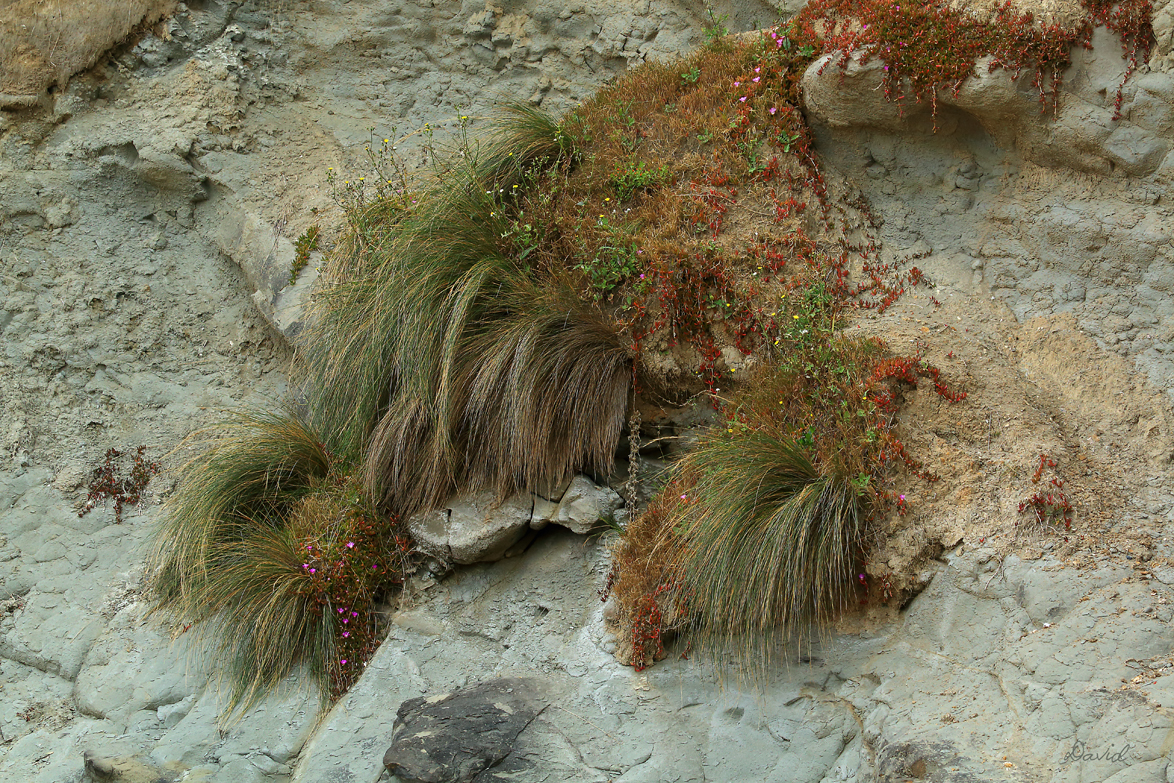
{"type": "Point", "coordinates": [481, 529]}
{"type": "Point", "coordinates": [1163, 24]}
{"type": "Point", "coordinates": [584, 504]}
{"type": "Point", "coordinates": [104, 769]}
{"type": "Point", "coordinates": [473, 529]}
{"type": "Point", "coordinates": [848, 97]}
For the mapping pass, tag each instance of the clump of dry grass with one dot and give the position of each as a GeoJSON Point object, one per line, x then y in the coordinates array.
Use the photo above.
{"type": "Point", "coordinates": [763, 540]}
{"type": "Point", "coordinates": [538, 389]}
{"type": "Point", "coordinates": [761, 526]}
{"type": "Point", "coordinates": [44, 42]}
{"type": "Point", "coordinates": [440, 359]}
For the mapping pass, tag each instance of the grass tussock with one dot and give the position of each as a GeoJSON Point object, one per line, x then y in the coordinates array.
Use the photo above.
{"type": "Point", "coordinates": [763, 540]}
{"type": "Point", "coordinates": [448, 359]}
{"type": "Point", "coordinates": [304, 594]}
{"type": "Point", "coordinates": [44, 42]}
{"type": "Point", "coordinates": [538, 391]}
{"type": "Point", "coordinates": [522, 136]}
{"type": "Point", "coordinates": [440, 358]}
{"type": "Point", "coordinates": [249, 471]}
{"type": "Point", "coordinates": [276, 557]}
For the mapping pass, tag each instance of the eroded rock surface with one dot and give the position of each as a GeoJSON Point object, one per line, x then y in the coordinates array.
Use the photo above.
{"type": "Point", "coordinates": [999, 669]}
{"type": "Point", "coordinates": [1080, 133]}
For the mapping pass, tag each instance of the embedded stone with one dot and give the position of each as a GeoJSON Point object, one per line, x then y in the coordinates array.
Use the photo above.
{"type": "Point", "coordinates": [584, 504]}
{"type": "Point", "coordinates": [454, 737]}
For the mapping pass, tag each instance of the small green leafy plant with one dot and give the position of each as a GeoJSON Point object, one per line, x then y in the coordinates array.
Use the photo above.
{"type": "Point", "coordinates": [614, 261]}
{"type": "Point", "coordinates": [637, 176]}
{"type": "Point", "coordinates": [524, 236]}
{"type": "Point", "coordinates": [716, 29]}
{"type": "Point", "coordinates": [306, 243]}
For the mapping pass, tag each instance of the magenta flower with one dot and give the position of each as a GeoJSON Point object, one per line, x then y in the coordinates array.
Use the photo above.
{"type": "Point", "coordinates": [743, 99]}
{"type": "Point", "coordinates": [350, 544]}
{"type": "Point", "coordinates": [345, 634]}
{"type": "Point", "coordinates": [343, 661]}
{"type": "Point", "coordinates": [313, 570]}
{"type": "Point", "coordinates": [773, 109]}
{"type": "Point", "coordinates": [737, 84]}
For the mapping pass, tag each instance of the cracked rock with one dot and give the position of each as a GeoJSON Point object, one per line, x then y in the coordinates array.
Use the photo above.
{"type": "Point", "coordinates": [455, 737]}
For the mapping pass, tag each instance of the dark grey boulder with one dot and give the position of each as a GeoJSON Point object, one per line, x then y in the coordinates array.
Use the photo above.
{"type": "Point", "coordinates": [455, 737]}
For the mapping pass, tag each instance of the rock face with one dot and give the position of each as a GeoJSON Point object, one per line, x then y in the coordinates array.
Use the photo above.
{"type": "Point", "coordinates": [1064, 214]}
{"type": "Point", "coordinates": [148, 213]}
{"type": "Point", "coordinates": [43, 46]}
{"type": "Point", "coordinates": [456, 737]}
{"type": "Point", "coordinates": [147, 216]}
{"type": "Point", "coordinates": [584, 505]}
